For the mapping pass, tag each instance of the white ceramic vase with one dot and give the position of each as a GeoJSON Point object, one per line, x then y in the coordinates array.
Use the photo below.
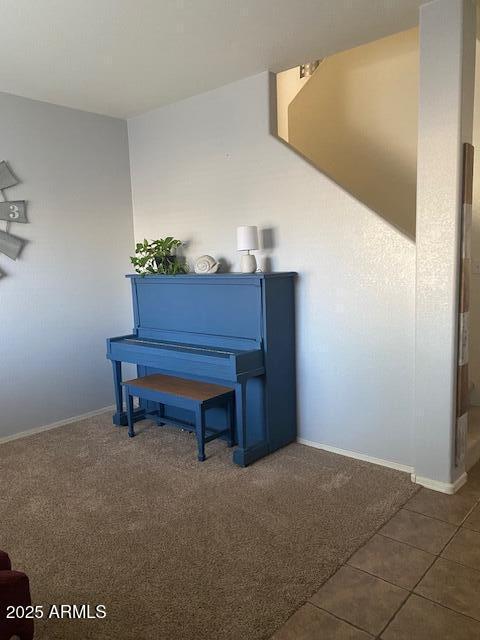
{"type": "Point", "coordinates": [248, 263]}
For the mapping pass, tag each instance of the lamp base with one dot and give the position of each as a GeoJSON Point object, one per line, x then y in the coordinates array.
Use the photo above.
{"type": "Point", "coordinates": [248, 264]}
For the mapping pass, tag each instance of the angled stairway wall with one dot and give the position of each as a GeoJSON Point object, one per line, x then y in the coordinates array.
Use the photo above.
{"type": "Point", "coordinates": [355, 120]}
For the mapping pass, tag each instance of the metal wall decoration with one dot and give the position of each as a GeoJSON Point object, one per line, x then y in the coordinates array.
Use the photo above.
{"type": "Point", "coordinates": [464, 307]}
{"type": "Point", "coordinates": [10, 211]}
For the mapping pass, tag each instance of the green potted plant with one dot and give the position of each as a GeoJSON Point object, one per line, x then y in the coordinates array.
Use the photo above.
{"type": "Point", "coordinates": [158, 256]}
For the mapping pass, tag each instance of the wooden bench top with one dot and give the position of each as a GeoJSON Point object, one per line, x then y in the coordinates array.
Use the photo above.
{"type": "Point", "coordinates": [180, 387]}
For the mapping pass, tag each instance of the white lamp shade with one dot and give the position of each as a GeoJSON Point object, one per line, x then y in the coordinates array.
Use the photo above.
{"type": "Point", "coordinates": [247, 238]}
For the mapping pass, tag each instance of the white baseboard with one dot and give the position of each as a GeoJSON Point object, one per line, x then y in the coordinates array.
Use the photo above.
{"type": "Point", "coordinates": [435, 485]}
{"type": "Point", "coordinates": [54, 425]}
{"type": "Point", "coordinates": [443, 487]}
{"type": "Point", "coordinates": [358, 456]}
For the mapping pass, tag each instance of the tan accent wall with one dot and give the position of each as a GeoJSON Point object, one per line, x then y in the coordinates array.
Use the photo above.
{"type": "Point", "coordinates": [289, 84]}
{"type": "Point", "coordinates": [356, 121]}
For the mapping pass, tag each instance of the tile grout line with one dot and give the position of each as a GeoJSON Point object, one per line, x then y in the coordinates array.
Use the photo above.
{"type": "Point", "coordinates": [470, 512]}
{"type": "Point", "coordinates": [352, 624]}
{"type": "Point", "coordinates": [412, 546]}
{"type": "Point", "coordinates": [426, 515]}
{"type": "Point", "coordinates": [444, 606]}
{"type": "Point", "coordinates": [392, 584]}
{"type": "Point", "coordinates": [395, 614]}
{"type": "Point", "coordinates": [460, 564]}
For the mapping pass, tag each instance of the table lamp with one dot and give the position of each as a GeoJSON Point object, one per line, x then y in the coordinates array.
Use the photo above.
{"type": "Point", "coordinates": [247, 240]}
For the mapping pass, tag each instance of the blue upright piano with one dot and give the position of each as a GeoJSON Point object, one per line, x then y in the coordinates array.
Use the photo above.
{"type": "Point", "coordinates": [233, 329]}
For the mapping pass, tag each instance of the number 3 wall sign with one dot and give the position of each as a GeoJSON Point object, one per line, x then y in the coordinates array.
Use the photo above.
{"type": "Point", "coordinates": [10, 211]}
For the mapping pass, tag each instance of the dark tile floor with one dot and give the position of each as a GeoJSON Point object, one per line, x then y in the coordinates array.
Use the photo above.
{"type": "Point", "coordinates": [417, 578]}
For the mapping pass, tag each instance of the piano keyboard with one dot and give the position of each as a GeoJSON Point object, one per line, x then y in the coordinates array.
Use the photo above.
{"type": "Point", "coordinates": [175, 345]}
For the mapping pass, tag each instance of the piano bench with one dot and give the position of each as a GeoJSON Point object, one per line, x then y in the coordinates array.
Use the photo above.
{"type": "Point", "coordinates": [193, 395]}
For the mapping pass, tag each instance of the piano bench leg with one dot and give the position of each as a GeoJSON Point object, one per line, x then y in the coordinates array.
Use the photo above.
{"type": "Point", "coordinates": [161, 414]}
{"type": "Point", "coordinates": [200, 432]}
{"type": "Point", "coordinates": [131, 431]}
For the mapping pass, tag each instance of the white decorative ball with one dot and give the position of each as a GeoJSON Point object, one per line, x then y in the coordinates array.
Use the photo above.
{"type": "Point", "coordinates": [206, 264]}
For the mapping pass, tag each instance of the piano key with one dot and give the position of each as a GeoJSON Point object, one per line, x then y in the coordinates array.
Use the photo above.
{"type": "Point", "coordinates": [174, 345]}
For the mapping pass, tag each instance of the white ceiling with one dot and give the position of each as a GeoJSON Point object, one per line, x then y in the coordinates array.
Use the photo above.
{"type": "Point", "coordinates": [124, 57]}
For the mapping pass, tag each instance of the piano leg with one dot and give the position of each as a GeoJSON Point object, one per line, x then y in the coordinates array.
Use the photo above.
{"type": "Point", "coordinates": [241, 419]}
{"type": "Point", "coordinates": [231, 422]}
{"type": "Point", "coordinates": [119, 417]}
{"type": "Point", "coordinates": [247, 451]}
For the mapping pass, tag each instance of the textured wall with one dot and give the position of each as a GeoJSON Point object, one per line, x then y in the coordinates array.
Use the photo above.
{"type": "Point", "coordinates": [205, 165]}
{"type": "Point", "coordinates": [66, 294]}
{"type": "Point", "coordinates": [356, 120]}
{"type": "Point", "coordinates": [474, 363]}
{"type": "Point", "coordinates": [447, 58]}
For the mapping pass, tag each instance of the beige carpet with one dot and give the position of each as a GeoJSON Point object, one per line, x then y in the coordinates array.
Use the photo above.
{"type": "Point", "coordinates": [176, 549]}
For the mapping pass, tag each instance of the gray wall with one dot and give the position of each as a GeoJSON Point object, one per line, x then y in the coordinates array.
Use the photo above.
{"type": "Point", "coordinates": [203, 166]}
{"type": "Point", "coordinates": [447, 42]}
{"type": "Point", "coordinates": [67, 293]}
